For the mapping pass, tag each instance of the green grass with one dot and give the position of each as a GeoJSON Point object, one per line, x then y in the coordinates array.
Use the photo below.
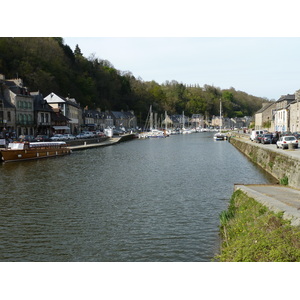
{"type": "Point", "coordinates": [252, 233]}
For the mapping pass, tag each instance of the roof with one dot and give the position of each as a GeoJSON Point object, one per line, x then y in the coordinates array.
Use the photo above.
{"type": "Point", "coordinates": [40, 103]}
{"type": "Point", "coordinates": [265, 107]}
{"type": "Point", "coordinates": [287, 97]}
{"type": "Point", "coordinates": [53, 98]}
{"type": "Point", "coordinates": [122, 114]}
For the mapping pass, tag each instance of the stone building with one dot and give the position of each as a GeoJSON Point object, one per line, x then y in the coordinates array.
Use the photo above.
{"type": "Point", "coordinates": [70, 109]}
{"type": "Point", "coordinates": [282, 113]}
{"type": "Point", "coordinates": [264, 117]}
{"type": "Point", "coordinates": [19, 107]}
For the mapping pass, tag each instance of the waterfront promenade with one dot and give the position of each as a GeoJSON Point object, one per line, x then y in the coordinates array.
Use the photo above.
{"type": "Point", "coordinates": [278, 198]}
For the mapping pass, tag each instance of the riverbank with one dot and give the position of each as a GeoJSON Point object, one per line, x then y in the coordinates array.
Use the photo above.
{"type": "Point", "coordinates": [262, 222]}
{"type": "Point", "coordinates": [252, 233]}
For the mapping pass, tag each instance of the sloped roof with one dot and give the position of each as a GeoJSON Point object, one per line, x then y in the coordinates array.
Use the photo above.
{"type": "Point", "coordinates": [287, 97]}
{"type": "Point", "coordinates": [53, 98]}
{"type": "Point", "coordinates": [265, 107]}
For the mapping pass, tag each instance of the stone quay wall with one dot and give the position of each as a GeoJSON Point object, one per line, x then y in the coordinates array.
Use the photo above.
{"type": "Point", "coordinates": [284, 165]}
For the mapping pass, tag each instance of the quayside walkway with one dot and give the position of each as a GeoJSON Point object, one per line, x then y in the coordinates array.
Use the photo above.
{"type": "Point", "coordinates": [294, 153]}
{"type": "Point", "coordinates": [277, 198]}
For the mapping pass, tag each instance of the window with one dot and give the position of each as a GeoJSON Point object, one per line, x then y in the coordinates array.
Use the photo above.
{"type": "Point", "coordinates": [42, 117]}
{"type": "Point", "coordinates": [8, 116]}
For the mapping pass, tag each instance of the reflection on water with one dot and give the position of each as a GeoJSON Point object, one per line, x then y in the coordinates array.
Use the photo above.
{"type": "Point", "coordinates": [143, 200]}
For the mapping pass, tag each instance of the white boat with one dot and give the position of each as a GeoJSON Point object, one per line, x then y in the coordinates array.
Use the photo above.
{"type": "Point", "coordinates": [219, 136]}
{"type": "Point", "coordinates": [152, 132]}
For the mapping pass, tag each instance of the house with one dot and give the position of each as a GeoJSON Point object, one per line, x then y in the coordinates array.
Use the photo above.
{"type": "Point", "coordinates": [93, 119]}
{"type": "Point", "coordinates": [179, 121]}
{"type": "Point", "coordinates": [264, 118]}
{"type": "Point", "coordinates": [282, 113]}
{"type": "Point", "coordinates": [19, 107]}
{"type": "Point", "coordinates": [69, 108]}
{"type": "Point", "coordinates": [59, 122]}
{"type": "Point", "coordinates": [42, 114]}
{"type": "Point", "coordinates": [294, 109]}
{"type": "Point", "coordinates": [197, 120]}
{"type": "Point", "coordinates": [124, 119]}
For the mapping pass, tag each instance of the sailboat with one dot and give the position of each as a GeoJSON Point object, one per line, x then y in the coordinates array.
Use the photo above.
{"type": "Point", "coordinates": [184, 130]}
{"type": "Point", "coordinates": [152, 132]}
{"type": "Point", "coordinates": [219, 136]}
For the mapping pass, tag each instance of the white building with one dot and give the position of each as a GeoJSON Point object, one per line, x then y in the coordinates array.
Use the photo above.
{"type": "Point", "coordinates": [69, 108]}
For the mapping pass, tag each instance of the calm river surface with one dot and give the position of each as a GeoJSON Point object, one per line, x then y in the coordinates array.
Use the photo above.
{"type": "Point", "coordinates": [142, 200]}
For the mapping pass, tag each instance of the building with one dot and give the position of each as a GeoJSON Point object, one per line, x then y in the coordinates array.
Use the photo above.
{"type": "Point", "coordinates": [264, 118]}
{"type": "Point", "coordinates": [282, 113]}
{"type": "Point", "coordinates": [18, 107]}
{"type": "Point", "coordinates": [197, 120]}
{"type": "Point", "coordinates": [42, 114]}
{"type": "Point", "coordinates": [124, 119]}
{"type": "Point", "coordinates": [70, 109]}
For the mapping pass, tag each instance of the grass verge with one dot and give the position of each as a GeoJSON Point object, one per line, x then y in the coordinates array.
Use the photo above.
{"type": "Point", "coordinates": [252, 233]}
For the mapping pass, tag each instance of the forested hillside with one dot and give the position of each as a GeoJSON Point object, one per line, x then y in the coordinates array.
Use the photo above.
{"type": "Point", "coordinates": [49, 65]}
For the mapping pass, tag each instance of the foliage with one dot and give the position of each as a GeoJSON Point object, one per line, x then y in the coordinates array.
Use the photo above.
{"type": "Point", "coordinates": [284, 180]}
{"type": "Point", "coordinates": [253, 233]}
{"type": "Point", "coordinates": [267, 124]}
{"type": "Point", "coordinates": [48, 65]}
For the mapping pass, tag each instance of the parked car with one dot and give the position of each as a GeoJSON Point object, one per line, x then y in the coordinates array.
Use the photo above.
{"type": "Point", "coordinates": [82, 136]}
{"type": "Point", "coordinates": [57, 137]}
{"type": "Point", "coordinates": [99, 133]}
{"type": "Point", "coordinates": [267, 138]}
{"type": "Point", "coordinates": [255, 133]}
{"type": "Point", "coordinates": [42, 138]}
{"type": "Point", "coordinates": [296, 135]}
{"type": "Point", "coordinates": [69, 136]}
{"type": "Point", "coordinates": [258, 138]}
{"type": "Point", "coordinates": [284, 142]}
{"type": "Point", "coordinates": [27, 138]}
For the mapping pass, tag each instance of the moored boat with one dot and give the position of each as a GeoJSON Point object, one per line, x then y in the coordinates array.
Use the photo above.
{"type": "Point", "coordinates": [19, 151]}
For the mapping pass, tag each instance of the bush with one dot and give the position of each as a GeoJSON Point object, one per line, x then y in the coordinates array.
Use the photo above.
{"type": "Point", "coordinates": [250, 232]}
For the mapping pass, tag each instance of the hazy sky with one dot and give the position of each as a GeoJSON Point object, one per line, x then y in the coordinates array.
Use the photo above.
{"type": "Point", "coordinates": [264, 67]}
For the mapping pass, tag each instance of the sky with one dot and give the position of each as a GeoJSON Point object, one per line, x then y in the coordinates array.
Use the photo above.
{"type": "Point", "coordinates": [261, 66]}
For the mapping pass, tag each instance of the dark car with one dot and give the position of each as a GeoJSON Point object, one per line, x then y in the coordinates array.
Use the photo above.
{"type": "Point", "coordinates": [27, 138]}
{"type": "Point", "coordinates": [258, 138]}
{"type": "Point", "coordinates": [42, 138]}
{"type": "Point", "coordinates": [296, 135]}
{"type": "Point", "coordinates": [267, 138]}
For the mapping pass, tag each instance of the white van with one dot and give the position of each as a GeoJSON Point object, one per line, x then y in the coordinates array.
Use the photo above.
{"type": "Point", "coordinates": [254, 133]}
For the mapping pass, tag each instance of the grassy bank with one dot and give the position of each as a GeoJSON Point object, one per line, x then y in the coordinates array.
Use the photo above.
{"type": "Point", "coordinates": [250, 232]}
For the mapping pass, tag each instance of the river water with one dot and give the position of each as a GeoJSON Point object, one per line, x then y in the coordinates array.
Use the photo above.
{"type": "Point", "coordinates": [141, 200]}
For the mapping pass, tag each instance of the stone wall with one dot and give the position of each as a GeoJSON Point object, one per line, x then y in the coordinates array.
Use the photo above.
{"type": "Point", "coordinates": [279, 165]}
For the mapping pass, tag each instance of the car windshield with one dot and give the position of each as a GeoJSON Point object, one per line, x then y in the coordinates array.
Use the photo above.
{"type": "Point", "coordinates": [290, 138]}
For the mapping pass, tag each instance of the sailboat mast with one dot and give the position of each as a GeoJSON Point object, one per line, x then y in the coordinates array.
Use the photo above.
{"type": "Point", "coordinates": [166, 126]}
{"type": "Point", "coordinates": [151, 118]}
{"type": "Point", "coordinates": [221, 116]}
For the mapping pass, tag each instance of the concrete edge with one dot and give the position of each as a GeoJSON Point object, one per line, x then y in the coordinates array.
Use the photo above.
{"type": "Point", "coordinates": [289, 213]}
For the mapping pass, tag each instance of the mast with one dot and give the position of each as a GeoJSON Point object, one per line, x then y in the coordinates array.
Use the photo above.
{"type": "Point", "coordinates": [151, 118]}
{"type": "Point", "coordinates": [221, 116]}
{"type": "Point", "coordinates": [166, 126]}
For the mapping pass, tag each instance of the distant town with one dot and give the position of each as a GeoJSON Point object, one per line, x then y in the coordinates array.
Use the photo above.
{"type": "Point", "coordinates": [25, 113]}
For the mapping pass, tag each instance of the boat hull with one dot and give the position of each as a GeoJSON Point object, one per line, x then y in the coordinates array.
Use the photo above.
{"type": "Point", "coordinates": [9, 155]}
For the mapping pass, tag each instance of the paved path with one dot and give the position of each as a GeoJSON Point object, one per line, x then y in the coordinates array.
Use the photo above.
{"type": "Point", "coordinates": [277, 198]}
